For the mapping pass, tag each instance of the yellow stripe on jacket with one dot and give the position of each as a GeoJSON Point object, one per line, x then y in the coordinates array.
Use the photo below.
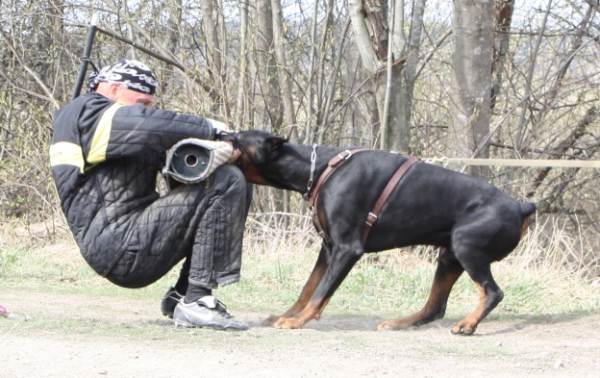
{"type": "Point", "coordinates": [99, 144]}
{"type": "Point", "coordinates": [66, 153]}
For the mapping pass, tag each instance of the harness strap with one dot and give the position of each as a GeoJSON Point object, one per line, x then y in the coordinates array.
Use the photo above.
{"type": "Point", "coordinates": [373, 214]}
{"type": "Point", "coordinates": [334, 163]}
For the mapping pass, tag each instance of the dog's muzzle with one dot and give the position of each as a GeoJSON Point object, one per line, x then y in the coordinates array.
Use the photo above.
{"type": "Point", "coordinates": [192, 160]}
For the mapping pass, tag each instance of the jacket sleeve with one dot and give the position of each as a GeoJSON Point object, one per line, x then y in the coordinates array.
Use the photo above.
{"type": "Point", "coordinates": [121, 130]}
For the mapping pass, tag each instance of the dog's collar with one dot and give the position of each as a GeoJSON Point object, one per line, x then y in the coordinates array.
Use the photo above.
{"type": "Point", "coordinates": [311, 176]}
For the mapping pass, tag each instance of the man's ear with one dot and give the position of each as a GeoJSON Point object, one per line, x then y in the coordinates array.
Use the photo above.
{"type": "Point", "coordinates": [274, 145]}
{"type": "Point", "coordinates": [114, 91]}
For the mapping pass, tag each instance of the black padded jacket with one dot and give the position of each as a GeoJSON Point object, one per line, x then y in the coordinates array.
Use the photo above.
{"type": "Point", "coordinates": [105, 157]}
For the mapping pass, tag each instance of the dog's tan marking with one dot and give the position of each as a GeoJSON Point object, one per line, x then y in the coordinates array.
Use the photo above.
{"type": "Point", "coordinates": [438, 296]}
{"type": "Point", "coordinates": [468, 325]}
{"type": "Point", "coordinates": [528, 221]}
{"type": "Point", "coordinates": [307, 292]}
{"type": "Point", "coordinates": [251, 172]}
{"type": "Point", "coordinates": [313, 310]}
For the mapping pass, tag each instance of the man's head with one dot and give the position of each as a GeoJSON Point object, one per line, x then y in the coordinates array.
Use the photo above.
{"type": "Point", "coordinates": [128, 81]}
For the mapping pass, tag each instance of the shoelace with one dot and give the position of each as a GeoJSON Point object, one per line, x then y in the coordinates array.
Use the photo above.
{"type": "Point", "coordinates": [175, 295]}
{"type": "Point", "coordinates": [222, 309]}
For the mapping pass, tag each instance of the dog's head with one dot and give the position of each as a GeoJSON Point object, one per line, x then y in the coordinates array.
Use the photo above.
{"type": "Point", "coordinates": [259, 149]}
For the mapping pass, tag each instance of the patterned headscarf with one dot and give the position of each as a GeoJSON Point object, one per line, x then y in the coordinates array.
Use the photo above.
{"type": "Point", "coordinates": [131, 74]}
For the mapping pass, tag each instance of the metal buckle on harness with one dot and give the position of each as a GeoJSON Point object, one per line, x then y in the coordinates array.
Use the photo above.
{"type": "Point", "coordinates": [371, 219]}
{"type": "Point", "coordinates": [347, 156]}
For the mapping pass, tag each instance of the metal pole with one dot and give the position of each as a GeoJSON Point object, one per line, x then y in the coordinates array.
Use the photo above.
{"type": "Point", "coordinates": [86, 57]}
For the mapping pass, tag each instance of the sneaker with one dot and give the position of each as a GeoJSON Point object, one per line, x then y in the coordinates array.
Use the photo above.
{"type": "Point", "coordinates": [169, 301]}
{"type": "Point", "coordinates": [208, 312]}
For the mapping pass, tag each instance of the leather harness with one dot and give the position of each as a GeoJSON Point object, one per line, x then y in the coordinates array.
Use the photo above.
{"type": "Point", "coordinates": [336, 162]}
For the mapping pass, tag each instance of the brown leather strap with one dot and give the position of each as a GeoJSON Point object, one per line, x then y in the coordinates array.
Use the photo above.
{"type": "Point", "coordinates": [372, 216]}
{"type": "Point", "coordinates": [334, 163]}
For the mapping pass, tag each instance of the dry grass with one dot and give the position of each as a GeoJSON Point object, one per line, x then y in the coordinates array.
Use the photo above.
{"type": "Point", "coordinates": [551, 272]}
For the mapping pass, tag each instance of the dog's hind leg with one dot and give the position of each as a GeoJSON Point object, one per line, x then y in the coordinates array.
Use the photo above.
{"type": "Point", "coordinates": [308, 290]}
{"type": "Point", "coordinates": [447, 272]}
{"type": "Point", "coordinates": [489, 295]}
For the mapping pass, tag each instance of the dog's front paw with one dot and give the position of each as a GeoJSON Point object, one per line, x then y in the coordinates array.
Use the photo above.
{"type": "Point", "coordinates": [464, 328]}
{"type": "Point", "coordinates": [287, 323]}
{"type": "Point", "coordinates": [270, 321]}
{"type": "Point", "coordinates": [395, 324]}
{"type": "Point", "coordinates": [389, 325]}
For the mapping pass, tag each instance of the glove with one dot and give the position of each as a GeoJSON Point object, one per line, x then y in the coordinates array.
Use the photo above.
{"type": "Point", "coordinates": [224, 136]}
{"type": "Point", "coordinates": [222, 131]}
{"type": "Point", "coordinates": [218, 125]}
{"type": "Point", "coordinates": [222, 152]}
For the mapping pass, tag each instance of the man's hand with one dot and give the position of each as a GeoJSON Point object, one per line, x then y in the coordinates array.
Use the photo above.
{"type": "Point", "coordinates": [225, 134]}
{"type": "Point", "coordinates": [222, 131]}
{"type": "Point", "coordinates": [218, 125]}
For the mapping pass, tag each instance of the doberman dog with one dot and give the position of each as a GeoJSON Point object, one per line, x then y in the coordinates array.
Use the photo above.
{"type": "Point", "coordinates": [472, 221]}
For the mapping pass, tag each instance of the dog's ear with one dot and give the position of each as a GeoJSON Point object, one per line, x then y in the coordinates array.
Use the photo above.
{"type": "Point", "coordinates": [274, 146]}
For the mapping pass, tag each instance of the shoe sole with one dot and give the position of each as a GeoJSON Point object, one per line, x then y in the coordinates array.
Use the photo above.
{"type": "Point", "coordinates": [182, 324]}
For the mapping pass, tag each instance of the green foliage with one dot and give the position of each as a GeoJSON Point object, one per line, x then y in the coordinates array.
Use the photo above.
{"type": "Point", "coordinates": [7, 258]}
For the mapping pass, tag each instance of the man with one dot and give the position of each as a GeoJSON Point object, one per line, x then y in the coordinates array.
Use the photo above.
{"type": "Point", "coordinates": [107, 148]}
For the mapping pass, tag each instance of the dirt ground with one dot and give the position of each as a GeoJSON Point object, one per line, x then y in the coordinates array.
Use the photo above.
{"type": "Point", "coordinates": [74, 336]}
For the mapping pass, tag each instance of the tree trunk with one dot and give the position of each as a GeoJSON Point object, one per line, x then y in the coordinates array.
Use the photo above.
{"type": "Point", "coordinates": [267, 106]}
{"type": "Point", "coordinates": [309, 136]}
{"type": "Point", "coordinates": [503, 11]}
{"type": "Point", "coordinates": [471, 76]}
{"type": "Point", "coordinates": [286, 84]}
{"type": "Point", "coordinates": [399, 121]}
{"type": "Point", "coordinates": [213, 53]}
{"type": "Point", "coordinates": [384, 54]}
{"type": "Point", "coordinates": [322, 75]}
{"type": "Point", "coordinates": [240, 107]}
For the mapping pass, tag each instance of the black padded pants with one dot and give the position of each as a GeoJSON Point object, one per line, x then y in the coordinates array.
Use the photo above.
{"type": "Point", "coordinates": [203, 223]}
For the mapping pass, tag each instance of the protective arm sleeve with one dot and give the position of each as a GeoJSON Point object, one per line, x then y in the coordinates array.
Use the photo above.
{"type": "Point", "coordinates": [131, 130]}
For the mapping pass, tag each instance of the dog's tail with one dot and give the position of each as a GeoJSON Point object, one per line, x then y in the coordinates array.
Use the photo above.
{"type": "Point", "coordinates": [527, 211]}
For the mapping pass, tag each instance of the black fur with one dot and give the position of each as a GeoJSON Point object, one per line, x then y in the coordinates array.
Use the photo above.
{"type": "Point", "coordinates": [472, 221]}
